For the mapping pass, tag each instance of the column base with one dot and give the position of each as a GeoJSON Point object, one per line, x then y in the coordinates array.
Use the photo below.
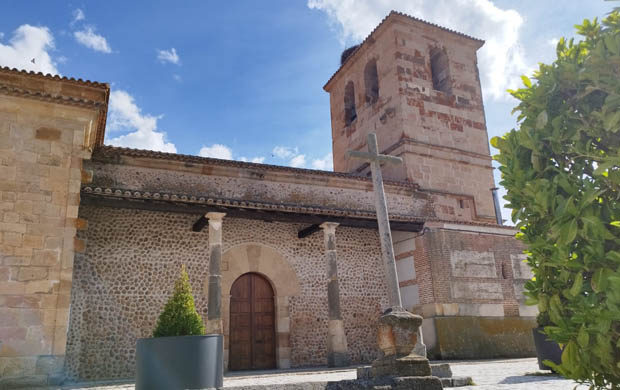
{"type": "Point", "coordinates": [338, 359]}
{"type": "Point", "coordinates": [393, 365]}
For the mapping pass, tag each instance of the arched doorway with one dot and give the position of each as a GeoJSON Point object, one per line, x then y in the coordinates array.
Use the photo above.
{"type": "Point", "coordinates": [252, 324]}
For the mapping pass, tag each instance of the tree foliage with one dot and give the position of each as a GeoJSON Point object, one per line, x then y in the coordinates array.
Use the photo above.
{"type": "Point", "coordinates": [561, 170]}
{"type": "Point", "coordinates": [179, 317]}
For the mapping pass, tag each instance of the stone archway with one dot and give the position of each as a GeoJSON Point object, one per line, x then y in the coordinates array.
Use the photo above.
{"type": "Point", "coordinates": [267, 262]}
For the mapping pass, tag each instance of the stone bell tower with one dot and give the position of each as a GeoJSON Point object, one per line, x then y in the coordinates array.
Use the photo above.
{"type": "Point", "coordinates": [417, 86]}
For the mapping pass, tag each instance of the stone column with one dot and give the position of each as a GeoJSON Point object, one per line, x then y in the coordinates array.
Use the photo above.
{"type": "Point", "coordinates": [337, 350]}
{"type": "Point", "coordinates": [214, 317]}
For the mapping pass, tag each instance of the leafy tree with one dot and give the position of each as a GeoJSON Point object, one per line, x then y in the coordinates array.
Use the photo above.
{"type": "Point", "coordinates": [179, 317]}
{"type": "Point", "coordinates": [561, 170]}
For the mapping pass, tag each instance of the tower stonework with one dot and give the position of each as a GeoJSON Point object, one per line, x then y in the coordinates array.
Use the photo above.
{"type": "Point", "coordinates": [416, 85]}
{"type": "Point", "coordinates": [428, 110]}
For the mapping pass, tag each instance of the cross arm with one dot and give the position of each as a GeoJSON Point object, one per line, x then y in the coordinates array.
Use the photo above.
{"type": "Point", "coordinates": [375, 157]}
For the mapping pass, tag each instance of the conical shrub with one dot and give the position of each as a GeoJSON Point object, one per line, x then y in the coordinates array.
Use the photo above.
{"type": "Point", "coordinates": [180, 317]}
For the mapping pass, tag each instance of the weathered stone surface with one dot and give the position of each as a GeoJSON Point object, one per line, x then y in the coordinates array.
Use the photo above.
{"type": "Point", "coordinates": [473, 264]}
{"type": "Point", "coordinates": [520, 268]}
{"type": "Point", "coordinates": [484, 337]}
{"type": "Point", "coordinates": [398, 332]}
{"type": "Point", "coordinates": [394, 365]}
{"type": "Point", "coordinates": [477, 290]}
{"type": "Point", "coordinates": [51, 364]}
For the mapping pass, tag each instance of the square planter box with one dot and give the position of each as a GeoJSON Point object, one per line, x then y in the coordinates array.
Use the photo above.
{"type": "Point", "coordinates": [179, 363]}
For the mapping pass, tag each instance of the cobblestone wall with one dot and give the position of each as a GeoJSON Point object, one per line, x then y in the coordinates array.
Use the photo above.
{"type": "Point", "coordinates": [132, 258]}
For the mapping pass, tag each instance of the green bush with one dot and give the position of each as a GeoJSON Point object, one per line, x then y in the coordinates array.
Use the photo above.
{"type": "Point", "coordinates": [179, 317]}
{"type": "Point", "coordinates": [561, 170]}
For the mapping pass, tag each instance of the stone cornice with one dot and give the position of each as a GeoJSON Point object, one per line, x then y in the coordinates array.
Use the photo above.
{"type": "Point", "coordinates": [59, 90]}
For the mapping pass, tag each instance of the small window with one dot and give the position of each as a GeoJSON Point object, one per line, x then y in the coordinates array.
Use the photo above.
{"type": "Point", "coordinates": [440, 71]}
{"type": "Point", "coordinates": [349, 104]}
{"type": "Point", "coordinates": [371, 79]}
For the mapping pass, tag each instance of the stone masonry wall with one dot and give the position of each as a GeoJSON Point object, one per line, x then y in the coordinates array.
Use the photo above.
{"type": "Point", "coordinates": [472, 274]}
{"type": "Point", "coordinates": [441, 136]}
{"type": "Point", "coordinates": [132, 257]}
{"type": "Point", "coordinates": [42, 146]}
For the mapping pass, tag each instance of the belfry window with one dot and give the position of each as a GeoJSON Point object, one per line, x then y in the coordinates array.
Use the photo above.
{"type": "Point", "coordinates": [349, 104]}
{"type": "Point", "coordinates": [371, 80]}
{"type": "Point", "coordinates": [440, 71]}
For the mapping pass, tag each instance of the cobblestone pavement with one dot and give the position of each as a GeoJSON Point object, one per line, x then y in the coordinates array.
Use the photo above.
{"type": "Point", "coordinates": [513, 374]}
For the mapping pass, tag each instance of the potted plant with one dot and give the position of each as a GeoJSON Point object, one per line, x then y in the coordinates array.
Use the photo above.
{"type": "Point", "coordinates": [179, 355]}
{"type": "Point", "coordinates": [545, 349]}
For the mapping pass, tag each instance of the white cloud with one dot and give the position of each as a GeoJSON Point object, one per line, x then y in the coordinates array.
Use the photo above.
{"type": "Point", "coordinates": [216, 151]}
{"type": "Point", "coordinates": [1, 35]}
{"type": "Point", "coordinates": [325, 164]}
{"type": "Point", "coordinates": [78, 15]}
{"type": "Point", "coordinates": [256, 160]}
{"type": "Point", "coordinates": [27, 44]}
{"type": "Point", "coordinates": [177, 77]}
{"type": "Point", "coordinates": [168, 56]}
{"type": "Point", "coordinates": [298, 161]}
{"type": "Point", "coordinates": [502, 59]}
{"type": "Point", "coordinates": [284, 151]}
{"type": "Point", "coordinates": [225, 153]}
{"type": "Point", "coordinates": [89, 38]}
{"type": "Point", "coordinates": [553, 42]}
{"type": "Point", "coordinates": [125, 115]}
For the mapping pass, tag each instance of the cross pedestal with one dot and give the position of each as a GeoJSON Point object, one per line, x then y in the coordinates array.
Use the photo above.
{"type": "Point", "coordinates": [398, 329]}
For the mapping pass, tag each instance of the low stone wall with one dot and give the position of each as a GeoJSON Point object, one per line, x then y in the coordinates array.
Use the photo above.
{"type": "Point", "coordinates": [483, 337]}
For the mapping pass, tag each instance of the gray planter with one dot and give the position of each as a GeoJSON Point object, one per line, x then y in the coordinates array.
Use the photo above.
{"type": "Point", "coordinates": [179, 363]}
{"type": "Point", "coordinates": [546, 349]}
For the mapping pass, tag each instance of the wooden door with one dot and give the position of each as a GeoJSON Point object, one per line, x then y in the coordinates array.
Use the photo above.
{"type": "Point", "coordinates": [252, 324]}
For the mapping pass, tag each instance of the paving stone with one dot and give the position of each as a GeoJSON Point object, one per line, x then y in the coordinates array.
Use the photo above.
{"type": "Point", "coordinates": [513, 374]}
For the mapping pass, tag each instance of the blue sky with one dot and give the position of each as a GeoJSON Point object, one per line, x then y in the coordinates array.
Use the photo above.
{"type": "Point", "coordinates": [243, 79]}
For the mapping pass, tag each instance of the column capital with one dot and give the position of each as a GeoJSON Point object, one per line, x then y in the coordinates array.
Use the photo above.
{"type": "Point", "coordinates": [329, 227]}
{"type": "Point", "coordinates": [215, 216]}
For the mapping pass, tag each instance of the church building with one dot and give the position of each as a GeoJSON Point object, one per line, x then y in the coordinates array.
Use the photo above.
{"type": "Point", "coordinates": [92, 237]}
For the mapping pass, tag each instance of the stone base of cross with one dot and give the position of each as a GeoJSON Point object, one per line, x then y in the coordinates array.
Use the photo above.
{"type": "Point", "coordinates": [398, 329]}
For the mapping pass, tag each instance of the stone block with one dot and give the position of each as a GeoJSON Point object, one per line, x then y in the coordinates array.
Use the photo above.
{"type": "Point", "coordinates": [528, 311]}
{"type": "Point", "coordinates": [410, 295]}
{"type": "Point", "coordinates": [404, 247]}
{"type": "Point", "coordinates": [49, 364]}
{"type": "Point", "coordinates": [23, 381]}
{"type": "Point", "coordinates": [15, 260]}
{"type": "Point", "coordinates": [483, 337]}
{"type": "Point", "coordinates": [32, 273]}
{"type": "Point", "coordinates": [441, 370]}
{"type": "Point", "coordinates": [40, 286]}
{"type": "Point", "coordinates": [12, 238]}
{"type": "Point", "coordinates": [477, 290]}
{"type": "Point", "coordinates": [33, 241]}
{"type": "Point", "coordinates": [520, 268]}
{"type": "Point", "coordinates": [47, 134]}
{"type": "Point", "coordinates": [13, 288]}
{"type": "Point", "coordinates": [14, 366]}
{"type": "Point", "coordinates": [46, 257]}
{"type": "Point", "coordinates": [405, 269]}
{"type": "Point", "coordinates": [482, 310]}
{"type": "Point", "coordinates": [473, 264]}
{"type": "Point", "coordinates": [10, 216]}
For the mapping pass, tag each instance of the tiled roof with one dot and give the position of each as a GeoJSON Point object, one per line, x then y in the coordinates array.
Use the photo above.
{"type": "Point", "coordinates": [107, 152]}
{"type": "Point", "coordinates": [383, 21]}
{"type": "Point", "coordinates": [259, 205]}
{"type": "Point", "coordinates": [6, 69]}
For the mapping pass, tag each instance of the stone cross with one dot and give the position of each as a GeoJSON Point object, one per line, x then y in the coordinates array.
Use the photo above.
{"type": "Point", "coordinates": [375, 159]}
